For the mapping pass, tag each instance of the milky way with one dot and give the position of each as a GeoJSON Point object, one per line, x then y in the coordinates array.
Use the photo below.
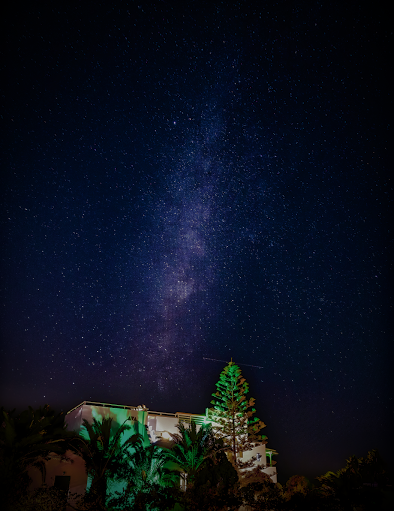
{"type": "Point", "coordinates": [182, 277]}
{"type": "Point", "coordinates": [201, 181]}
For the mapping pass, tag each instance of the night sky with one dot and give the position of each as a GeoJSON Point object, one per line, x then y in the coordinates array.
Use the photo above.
{"type": "Point", "coordinates": [211, 180]}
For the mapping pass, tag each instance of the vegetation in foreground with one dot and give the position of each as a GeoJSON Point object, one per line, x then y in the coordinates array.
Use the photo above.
{"type": "Point", "coordinates": [201, 470]}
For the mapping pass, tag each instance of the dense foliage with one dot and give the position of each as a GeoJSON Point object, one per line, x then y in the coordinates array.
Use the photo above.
{"type": "Point", "coordinates": [104, 452]}
{"type": "Point", "coordinates": [150, 475]}
{"type": "Point", "coordinates": [27, 440]}
{"type": "Point", "coordinates": [192, 446]}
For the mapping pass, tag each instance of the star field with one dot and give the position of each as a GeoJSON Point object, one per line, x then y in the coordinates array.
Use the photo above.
{"type": "Point", "coordinates": [201, 181]}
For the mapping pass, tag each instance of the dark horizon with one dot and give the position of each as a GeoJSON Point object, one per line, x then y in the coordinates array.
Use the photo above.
{"type": "Point", "coordinates": [289, 462]}
{"type": "Point", "coordinates": [205, 181]}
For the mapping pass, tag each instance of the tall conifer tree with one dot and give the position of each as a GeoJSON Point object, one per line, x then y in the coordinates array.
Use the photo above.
{"type": "Point", "coordinates": [233, 413]}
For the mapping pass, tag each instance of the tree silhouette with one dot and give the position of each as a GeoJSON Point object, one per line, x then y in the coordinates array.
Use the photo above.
{"type": "Point", "coordinates": [360, 483]}
{"type": "Point", "coordinates": [212, 481]}
{"type": "Point", "coordinates": [27, 440]}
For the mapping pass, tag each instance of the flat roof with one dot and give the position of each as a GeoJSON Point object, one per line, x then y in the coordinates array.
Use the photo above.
{"type": "Point", "coordinates": [178, 415]}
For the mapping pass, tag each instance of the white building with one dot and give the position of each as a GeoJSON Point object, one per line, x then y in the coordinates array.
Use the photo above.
{"type": "Point", "coordinates": [155, 427]}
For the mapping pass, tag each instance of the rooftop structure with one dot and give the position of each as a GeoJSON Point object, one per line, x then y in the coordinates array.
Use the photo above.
{"type": "Point", "coordinates": [155, 427]}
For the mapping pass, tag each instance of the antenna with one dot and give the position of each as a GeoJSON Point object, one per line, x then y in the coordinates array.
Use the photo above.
{"type": "Point", "coordinates": [226, 361]}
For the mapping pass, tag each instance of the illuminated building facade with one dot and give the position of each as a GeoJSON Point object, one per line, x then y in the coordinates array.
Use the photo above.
{"type": "Point", "coordinates": [155, 428]}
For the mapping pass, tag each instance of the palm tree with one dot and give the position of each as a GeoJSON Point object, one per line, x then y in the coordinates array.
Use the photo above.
{"type": "Point", "coordinates": [191, 448]}
{"type": "Point", "coordinates": [27, 441]}
{"type": "Point", "coordinates": [149, 481]}
{"type": "Point", "coordinates": [104, 454]}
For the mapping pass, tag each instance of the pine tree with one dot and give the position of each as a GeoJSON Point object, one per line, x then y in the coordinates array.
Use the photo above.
{"type": "Point", "coordinates": [233, 412]}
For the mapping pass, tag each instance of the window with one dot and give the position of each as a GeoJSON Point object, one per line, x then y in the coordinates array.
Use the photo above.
{"type": "Point", "coordinates": [62, 483]}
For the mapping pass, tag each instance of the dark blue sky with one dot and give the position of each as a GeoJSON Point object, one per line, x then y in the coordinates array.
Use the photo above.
{"type": "Point", "coordinates": [201, 181]}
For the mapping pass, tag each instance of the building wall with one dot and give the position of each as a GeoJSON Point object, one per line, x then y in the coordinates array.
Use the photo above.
{"type": "Point", "coordinates": [135, 417]}
{"type": "Point", "coordinates": [155, 427]}
{"type": "Point", "coordinates": [70, 465]}
{"type": "Point", "coordinates": [271, 471]}
{"type": "Point", "coordinates": [162, 426]}
{"type": "Point", "coordinates": [262, 462]}
{"type": "Point", "coordinates": [74, 466]}
{"type": "Point", "coordinates": [89, 410]}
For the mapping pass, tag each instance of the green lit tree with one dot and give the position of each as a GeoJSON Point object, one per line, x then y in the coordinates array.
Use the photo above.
{"type": "Point", "coordinates": [150, 485]}
{"type": "Point", "coordinates": [232, 414]}
{"type": "Point", "coordinates": [104, 453]}
{"type": "Point", "coordinates": [192, 446]}
{"type": "Point", "coordinates": [209, 480]}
